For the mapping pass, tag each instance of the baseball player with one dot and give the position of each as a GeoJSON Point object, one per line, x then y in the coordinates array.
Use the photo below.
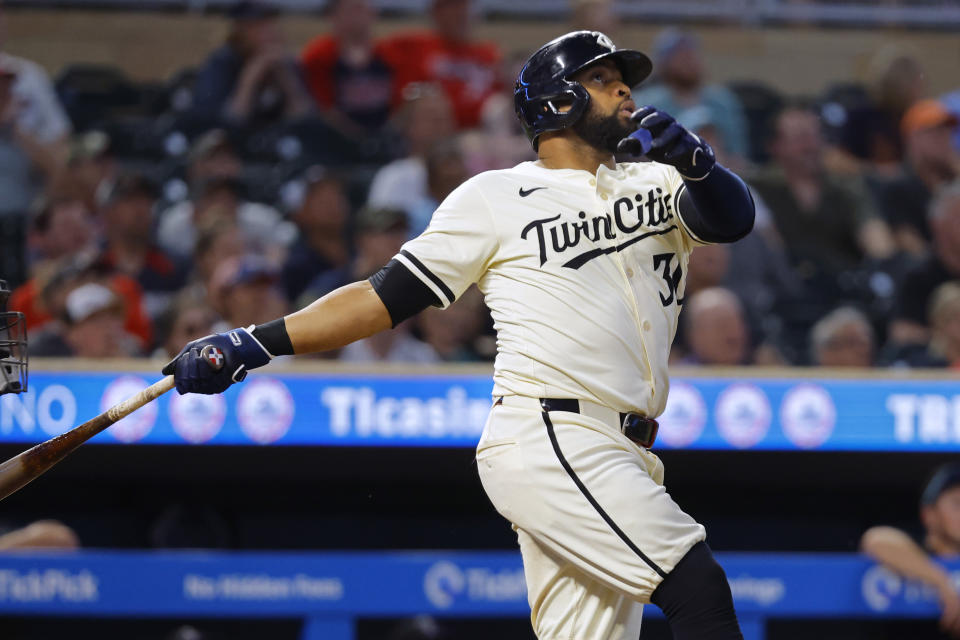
{"type": "Point", "coordinates": [582, 262]}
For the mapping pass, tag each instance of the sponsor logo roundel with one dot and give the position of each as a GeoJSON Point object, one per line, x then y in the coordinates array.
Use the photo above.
{"type": "Point", "coordinates": [265, 410]}
{"type": "Point", "coordinates": [442, 583]}
{"type": "Point", "coordinates": [682, 421]}
{"type": "Point", "coordinates": [808, 415]}
{"type": "Point", "coordinates": [743, 415]}
{"type": "Point", "coordinates": [880, 587]}
{"type": "Point", "coordinates": [197, 418]}
{"type": "Point", "coordinates": [139, 423]}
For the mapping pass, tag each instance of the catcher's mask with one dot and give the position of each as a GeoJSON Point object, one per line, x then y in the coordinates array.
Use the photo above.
{"type": "Point", "coordinates": [13, 346]}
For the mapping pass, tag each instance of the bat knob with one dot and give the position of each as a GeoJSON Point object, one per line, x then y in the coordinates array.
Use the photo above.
{"type": "Point", "coordinates": [213, 355]}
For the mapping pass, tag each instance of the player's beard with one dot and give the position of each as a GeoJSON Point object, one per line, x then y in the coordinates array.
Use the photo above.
{"type": "Point", "coordinates": [601, 131]}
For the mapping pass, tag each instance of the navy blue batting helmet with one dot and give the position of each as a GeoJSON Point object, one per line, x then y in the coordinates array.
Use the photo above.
{"type": "Point", "coordinates": [544, 84]}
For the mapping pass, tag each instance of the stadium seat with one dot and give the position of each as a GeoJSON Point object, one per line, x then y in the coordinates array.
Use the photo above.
{"type": "Point", "coordinates": [93, 94]}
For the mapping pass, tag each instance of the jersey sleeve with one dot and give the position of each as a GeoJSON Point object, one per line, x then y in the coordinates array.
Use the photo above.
{"type": "Point", "coordinates": [457, 246]}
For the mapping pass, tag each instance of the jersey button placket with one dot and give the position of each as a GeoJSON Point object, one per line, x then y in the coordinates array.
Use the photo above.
{"type": "Point", "coordinates": [635, 290]}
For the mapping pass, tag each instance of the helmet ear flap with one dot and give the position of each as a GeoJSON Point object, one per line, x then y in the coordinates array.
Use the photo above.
{"type": "Point", "coordinates": [553, 117]}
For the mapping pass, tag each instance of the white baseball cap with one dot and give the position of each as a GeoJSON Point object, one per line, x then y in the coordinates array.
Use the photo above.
{"type": "Point", "coordinates": [88, 299]}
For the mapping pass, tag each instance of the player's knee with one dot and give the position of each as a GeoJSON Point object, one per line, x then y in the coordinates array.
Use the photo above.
{"type": "Point", "coordinates": [696, 598]}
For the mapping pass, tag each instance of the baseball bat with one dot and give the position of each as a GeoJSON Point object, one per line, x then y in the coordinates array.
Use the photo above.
{"type": "Point", "coordinates": [23, 468]}
{"type": "Point", "coordinates": [27, 466]}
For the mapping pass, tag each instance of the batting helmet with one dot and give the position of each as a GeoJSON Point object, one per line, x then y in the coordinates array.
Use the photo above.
{"type": "Point", "coordinates": [544, 84]}
{"type": "Point", "coordinates": [13, 347]}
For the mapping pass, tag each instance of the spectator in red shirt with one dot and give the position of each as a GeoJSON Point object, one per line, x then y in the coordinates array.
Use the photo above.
{"type": "Point", "coordinates": [465, 68]}
{"type": "Point", "coordinates": [346, 73]}
{"type": "Point", "coordinates": [42, 298]}
{"type": "Point", "coordinates": [92, 326]}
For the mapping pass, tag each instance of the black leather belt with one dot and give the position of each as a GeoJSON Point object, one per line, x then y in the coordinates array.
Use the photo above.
{"type": "Point", "coordinates": [639, 428]}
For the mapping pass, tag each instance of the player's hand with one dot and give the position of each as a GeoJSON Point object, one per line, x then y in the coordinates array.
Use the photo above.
{"type": "Point", "coordinates": [211, 364]}
{"type": "Point", "coordinates": [664, 140]}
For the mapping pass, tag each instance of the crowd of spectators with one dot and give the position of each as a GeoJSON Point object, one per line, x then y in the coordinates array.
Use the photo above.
{"type": "Point", "coordinates": [266, 177]}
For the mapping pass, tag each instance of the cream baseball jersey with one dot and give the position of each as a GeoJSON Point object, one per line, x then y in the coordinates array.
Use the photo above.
{"type": "Point", "coordinates": [573, 266]}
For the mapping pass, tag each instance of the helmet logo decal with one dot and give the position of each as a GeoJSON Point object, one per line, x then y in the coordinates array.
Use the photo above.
{"type": "Point", "coordinates": [605, 41]}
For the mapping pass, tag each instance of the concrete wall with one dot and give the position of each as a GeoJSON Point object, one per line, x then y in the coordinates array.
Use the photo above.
{"type": "Point", "coordinates": [797, 60]}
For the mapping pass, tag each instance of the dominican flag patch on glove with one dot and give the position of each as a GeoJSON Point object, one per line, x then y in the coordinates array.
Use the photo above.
{"type": "Point", "coordinates": [213, 355]}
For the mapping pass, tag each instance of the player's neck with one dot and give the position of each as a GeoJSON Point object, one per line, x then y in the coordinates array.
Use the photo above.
{"type": "Point", "coordinates": [572, 153]}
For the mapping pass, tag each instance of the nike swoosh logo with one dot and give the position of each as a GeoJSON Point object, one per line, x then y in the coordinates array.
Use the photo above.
{"type": "Point", "coordinates": [525, 192]}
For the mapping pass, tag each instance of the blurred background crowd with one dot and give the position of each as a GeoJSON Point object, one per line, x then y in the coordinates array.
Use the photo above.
{"type": "Point", "coordinates": [137, 215]}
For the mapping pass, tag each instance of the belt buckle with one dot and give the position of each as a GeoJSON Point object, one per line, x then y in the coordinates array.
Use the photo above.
{"type": "Point", "coordinates": [640, 429]}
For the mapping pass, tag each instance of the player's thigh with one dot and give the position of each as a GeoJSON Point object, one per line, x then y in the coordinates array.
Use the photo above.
{"type": "Point", "coordinates": [586, 496]}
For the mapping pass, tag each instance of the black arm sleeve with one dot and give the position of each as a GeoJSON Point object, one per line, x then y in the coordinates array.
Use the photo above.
{"type": "Point", "coordinates": [403, 294]}
{"type": "Point", "coordinates": [718, 208]}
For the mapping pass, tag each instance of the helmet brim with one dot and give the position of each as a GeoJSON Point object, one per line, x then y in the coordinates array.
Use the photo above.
{"type": "Point", "coordinates": [634, 65]}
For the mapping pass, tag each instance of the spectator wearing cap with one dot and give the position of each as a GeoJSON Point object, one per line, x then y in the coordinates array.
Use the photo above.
{"type": "Point", "coordinates": [345, 70]}
{"type": "Point", "coordinates": [842, 338]}
{"type": "Point", "coordinates": [34, 133]}
{"type": "Point", "coordinates": [910, 325]}
{"type": "Point", "coordinates": [246, 291]}
{"type": "Point", "coordinates": [930, 162]}
{"type": "Point", "coordinates": [447, 55]}
{"type": "Point", "coordinates": [899, 552]}
{"type": "Point", "coordinates": [252, 79]}
{"type": "Point", "coordinates": [681, 88]}
{"type": "Point", "coordinates": [42, 298]}
{"type": "Point", "coordinates": [213, 155]}
{"type": "Point", "coordinates": [92, 327]}
{"type": "Point", "coordinates": [424, 120]}
{"type": "Point", "coordinates": [127, 217]}
{"type": "Point", "coordinates": [217, 191]}
{"type": "Point", "coordinates": [320, 210]}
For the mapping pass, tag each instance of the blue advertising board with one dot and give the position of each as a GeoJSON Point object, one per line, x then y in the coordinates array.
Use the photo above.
{"type": "Point", "coordinates": [345, 586]}
{"type": "Point", "coordinates": [332, 408]}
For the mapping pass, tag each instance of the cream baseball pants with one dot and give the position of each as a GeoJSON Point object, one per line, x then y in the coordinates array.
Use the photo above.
{"type": "Point", "coordinates": [597, 530]}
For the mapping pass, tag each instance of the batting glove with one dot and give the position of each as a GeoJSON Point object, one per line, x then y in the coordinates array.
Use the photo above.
{"type": "Point", "coordinates": [211, 364]}
{"type": "Point", "coordinates": [664, 140]}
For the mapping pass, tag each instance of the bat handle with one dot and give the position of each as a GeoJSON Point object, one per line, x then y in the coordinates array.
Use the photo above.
{"type": "Point", "coordinates": [122, 409]}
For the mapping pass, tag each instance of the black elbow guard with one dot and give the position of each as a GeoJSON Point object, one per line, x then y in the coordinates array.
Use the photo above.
{"type": "Point", "coordinates": [402, 293]}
